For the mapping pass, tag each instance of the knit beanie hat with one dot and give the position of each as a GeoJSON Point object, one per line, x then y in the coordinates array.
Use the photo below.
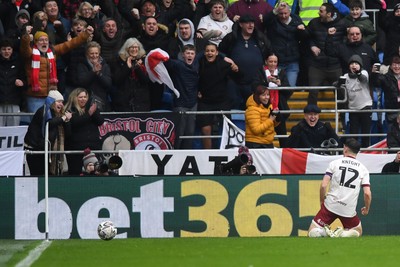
{"type": "Point", "coordinates": [89, 157]}
{"type": "Point", "coordinates": [39, 34]}
{"type": "Point", "coordinates": [357, 59]}
{"type": "Point", "coordinates": [56, 95]}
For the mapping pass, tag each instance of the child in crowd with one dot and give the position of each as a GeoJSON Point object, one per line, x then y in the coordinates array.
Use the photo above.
{"type": "Point", "coordinates": [359, 98]}
{"type": "Point", "coordinates": [185, 75]}
{"type": "Point", "coordinates": [359, 18]}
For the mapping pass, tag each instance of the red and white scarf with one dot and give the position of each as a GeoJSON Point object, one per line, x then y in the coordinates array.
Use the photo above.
{"type": "Point", "coordinates": [36, 68]}
{"type": "Point", "coordinates": [273, 94]}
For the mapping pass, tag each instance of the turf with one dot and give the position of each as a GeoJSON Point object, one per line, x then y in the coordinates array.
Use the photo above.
{"type": "Point", "coordinates": [368, 251]}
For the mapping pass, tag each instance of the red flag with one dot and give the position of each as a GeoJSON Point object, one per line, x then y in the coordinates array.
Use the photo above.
{"type": "Point", "coordinates": [293, 161]}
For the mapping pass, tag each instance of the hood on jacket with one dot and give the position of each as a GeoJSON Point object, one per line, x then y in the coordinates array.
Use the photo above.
{"type": "Point", "coordinates": [355, 58]}
{"type": "Point", "coordinates": [191, 39]}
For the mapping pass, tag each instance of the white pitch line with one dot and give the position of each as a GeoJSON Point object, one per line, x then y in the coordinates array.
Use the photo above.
{"type": "Point", "coordinates": [34, 254]}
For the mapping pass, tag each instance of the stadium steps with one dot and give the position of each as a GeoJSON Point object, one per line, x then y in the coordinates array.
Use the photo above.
{"type": "Point", "coordinates": [299, 100]}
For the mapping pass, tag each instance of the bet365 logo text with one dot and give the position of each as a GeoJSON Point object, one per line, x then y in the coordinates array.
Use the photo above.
{"type": "Point", "coordinates": [168, 207]}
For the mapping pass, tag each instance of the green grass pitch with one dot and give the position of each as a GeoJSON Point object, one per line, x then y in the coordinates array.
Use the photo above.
{"type": "Point", "coordinates": [382, 251]}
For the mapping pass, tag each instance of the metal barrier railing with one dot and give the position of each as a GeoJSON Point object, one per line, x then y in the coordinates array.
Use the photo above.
{"type": "Point", "coordinates": [298, 88]}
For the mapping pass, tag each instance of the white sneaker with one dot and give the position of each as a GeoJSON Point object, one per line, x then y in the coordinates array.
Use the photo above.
{"type": "Point", "coordinates": [328, 230]}
{"type": "Point", "coordinates": [338, 232]}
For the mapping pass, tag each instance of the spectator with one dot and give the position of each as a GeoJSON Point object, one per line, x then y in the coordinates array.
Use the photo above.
{"type": "Point", "coordinates": [89, 162]}
{"type": "Point", "coordinates": [185, 76]}
{"type": "Point", "coordinates": [169, 13]}
{"type": "Point", "coordinates": [354, 45]}
{"type": "Point", "coordinates": [260, 119]}
{"type": "Point", "coordinates": [57, 28]}
{"type": "Point", "coordinates": [74, 57]}
{"type": "Point", "coordinates": [213, 92]}
{"type": "Point", "coordinates": [153, 38]}
{"type": "Point", "coordinates": [216, 25]}
{"type": "Point", "coordinates": [274, 77]}
{"type": "Point", "coordinates": [187, 36]}
{"type": "Point", "coordinates": [389, 83]}
{"type": "Point", "coordinates": [12, 82]}
{"type": "Point", "coordinates": [95, 74]}
{"type": "Point", "coordinates": [43, 75]}
{"type": "Point", "coordinates": [323, 69]}
{"type": "Point", "coordinates": [286, 30]}
{"type": "Point", "coordinates": [111, 38]}
{"type": "Point", "coordinates": [358, 17]}
{"type": "Point", "coordinates": [21, 21]}
{"type": "Point", "coordinates": [393, 135]}
{"type": "Point", "coordinates": [130, 78]}
{"type": "Point", "coordinates": [83, 130]}
{"type": "Point", "coordinates": [91, 14]}
{"type": "Point", "coordinates": [310, 132]}
{"type": "Point", "coordinates": [338, 195]}
{"type": "Point", "coordinates": [391, 26]}
{"type": "Point", "coordinates": [257, 9]}
{"type": "Point", "coordinates": [394, 166]}
{"type": "Point", "coordinates": [57, 25]}
{"type": "Point", "coordinates": [248, 48]}
{"type": "Point", "coordinates": [359, 98]}
{"type": "Point", "coordinates": [9, 10]}
{"type": "Point", "coordinates": [34, 138]}
{"type": "Point", "coordinates": [39, 22]}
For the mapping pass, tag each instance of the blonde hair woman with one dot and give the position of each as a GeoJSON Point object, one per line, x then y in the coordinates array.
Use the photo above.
{"type": "Point", "coordinates": [129, 76]}
{"type": "Point", "coordinates": [83, 132]}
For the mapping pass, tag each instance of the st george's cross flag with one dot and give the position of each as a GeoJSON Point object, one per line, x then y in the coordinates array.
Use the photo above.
{"type": "Point", "coordinates": [157, 71]}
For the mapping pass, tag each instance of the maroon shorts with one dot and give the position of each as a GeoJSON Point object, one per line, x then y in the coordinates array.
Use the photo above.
{"type": "Point", "coordinates": [324, 216]}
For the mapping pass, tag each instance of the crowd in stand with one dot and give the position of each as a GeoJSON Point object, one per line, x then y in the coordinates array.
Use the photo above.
{"type": "Point", "coordinates": [223, 56]}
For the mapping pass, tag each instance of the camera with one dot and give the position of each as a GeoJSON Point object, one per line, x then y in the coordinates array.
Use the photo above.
{"type": "Point", "coordinates": [109, 164]}
{"type": "Point", "coordinates": [234, 166]}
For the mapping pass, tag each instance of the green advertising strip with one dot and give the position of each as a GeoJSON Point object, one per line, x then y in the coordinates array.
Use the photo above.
{"type": "Point", "coordinates": [201, 206]}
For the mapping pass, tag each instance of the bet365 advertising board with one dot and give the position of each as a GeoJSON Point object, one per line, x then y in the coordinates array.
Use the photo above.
{"type": "Point", "coordinates": [174, 206]}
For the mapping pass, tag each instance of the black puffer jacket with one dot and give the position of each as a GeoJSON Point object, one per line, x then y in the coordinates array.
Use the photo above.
{"type": "Point", "coordinates": [389, 84]}
{"type": "Point", "coordinates": [318, 32]}
{"type": "Point", "coordinates": [10, 70]}
{"type": "Point", "coordinates": [304, 136]}
{"type": "Point", "coordinates": [285, 38]}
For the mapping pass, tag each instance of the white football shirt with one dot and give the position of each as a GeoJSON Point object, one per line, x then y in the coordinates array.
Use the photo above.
{"type": "Point", "coordinates": [347, 177]}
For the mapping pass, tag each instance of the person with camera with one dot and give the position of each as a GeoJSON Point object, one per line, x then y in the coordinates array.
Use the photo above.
{"type": "Point", "coordinates": [242, 164]}
{"type": "Point", "coordinates": [92, 165]}
{"type": "Point", "coordinates": [261, 119]}
{"type": "Point", "coordinates": [311, 132]}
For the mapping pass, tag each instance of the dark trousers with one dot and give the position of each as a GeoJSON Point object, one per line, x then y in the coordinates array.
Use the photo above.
{"type": "Point", "coordinates": [321, 77]}
{"type": "Point", "coordinates": [361, 122]}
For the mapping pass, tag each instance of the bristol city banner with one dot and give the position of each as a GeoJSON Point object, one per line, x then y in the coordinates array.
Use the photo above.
{"type": "Point", "coordinates": [267, 161]}
{"type": "Point", "coordinates": [145, 131]}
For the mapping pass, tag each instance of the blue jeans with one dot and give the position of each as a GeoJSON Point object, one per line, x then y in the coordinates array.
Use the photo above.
{"type": "Point", "coordinates": [34, 103]}
{"type": "Point", "coordinates": [292, 71]}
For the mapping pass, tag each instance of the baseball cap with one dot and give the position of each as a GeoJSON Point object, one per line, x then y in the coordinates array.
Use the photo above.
{"type": "Point", "coordinates": [312, 108]}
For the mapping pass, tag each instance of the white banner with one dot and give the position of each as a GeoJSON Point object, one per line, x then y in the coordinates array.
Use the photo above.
{"type": "Point", "coordinates": [203, 162]}
{"type": "Point", "coordinates": [11, 163]}
{"type": "Point", "coordinates": [12, 138]}
{"type": "Point", "coordinates": [232, 136]}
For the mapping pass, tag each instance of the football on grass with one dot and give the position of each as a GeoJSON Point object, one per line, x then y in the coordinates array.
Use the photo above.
{"type": "Point", "coordinates": [106, 230]}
